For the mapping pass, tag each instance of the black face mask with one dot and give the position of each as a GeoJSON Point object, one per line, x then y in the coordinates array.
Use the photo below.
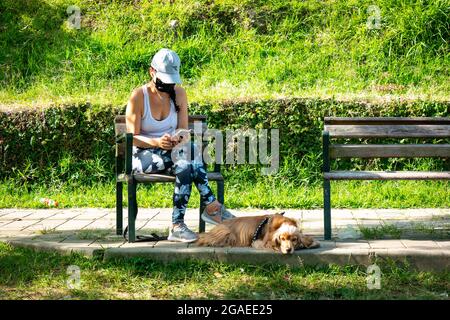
{"type": "Point", "coordinates": [164, 87]}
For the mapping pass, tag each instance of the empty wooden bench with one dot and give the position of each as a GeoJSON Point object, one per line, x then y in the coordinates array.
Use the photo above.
{"type": "Point", "coordinates": [370, 128]}
{"type": "Point", "coordinates": [124, 174]}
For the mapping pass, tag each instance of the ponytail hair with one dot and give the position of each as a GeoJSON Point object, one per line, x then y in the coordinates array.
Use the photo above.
{"type": "Point", "coordinates": [173, 96]}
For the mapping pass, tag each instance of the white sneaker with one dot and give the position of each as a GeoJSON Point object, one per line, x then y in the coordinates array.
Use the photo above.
{"type": "Point", "coordinates": [222, 214]}
{"type": "Point", "coordinates": [182, 233]}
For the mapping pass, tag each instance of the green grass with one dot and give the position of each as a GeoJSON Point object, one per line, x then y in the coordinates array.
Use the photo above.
{"type": "Point", "coordinates": [414, 230]}
{"type": "Point", "coordinates": [229, 49]}
{"type": "Point", "coordinates": [384, 231]}
{"type": "Point", "coordinates": [27, 274]}
{"type": "Point", "coordinates": [243, 194]}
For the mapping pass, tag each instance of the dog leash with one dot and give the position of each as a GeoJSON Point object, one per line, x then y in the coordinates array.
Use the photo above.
{"type": "Point", "coordinates": [152, 237]}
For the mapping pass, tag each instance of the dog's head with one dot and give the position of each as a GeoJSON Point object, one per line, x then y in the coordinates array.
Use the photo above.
{"type": "Point", "coordinates": [287, 237]}
{"type": "Point", "coordinates": [285, 234]}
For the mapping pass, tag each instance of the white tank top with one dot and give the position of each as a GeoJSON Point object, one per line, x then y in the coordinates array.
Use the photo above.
{"type": "Point", "coordinates": [153, 128]}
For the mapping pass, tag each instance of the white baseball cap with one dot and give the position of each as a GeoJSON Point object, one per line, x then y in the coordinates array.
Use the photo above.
{"type": "Point", "coordinates": [167, 64]}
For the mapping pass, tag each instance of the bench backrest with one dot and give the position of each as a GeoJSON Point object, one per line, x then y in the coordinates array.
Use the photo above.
{"type": "Point", "coordinates": [386, 127]}
{"type": "Point", "coordinates": [120, 127]}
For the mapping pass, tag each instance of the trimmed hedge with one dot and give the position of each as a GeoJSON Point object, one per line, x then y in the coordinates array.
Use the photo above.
{"type": "Point", "coordinates": [63, 143]}
{"type": "Point", "coordinates": [75, 144]}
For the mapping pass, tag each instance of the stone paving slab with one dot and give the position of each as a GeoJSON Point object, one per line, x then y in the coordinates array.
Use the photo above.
{"type": "Point", "coordinates": [370, 222]}
{"type": "Point", "coordinates": [313, 225]}
{"type": "Point", "coordinates": [144, 224]}
{"type": "Point", "coordinates": [74, 225]}
{"type": "Point", "coordinates": [46, 224]}
{"type": "Point", "coordinates": [443, 244]}
{"type": "Point", "coordinates": [38, 215]}
{"type": "Point", "coordinates": [65, 216]}
{"type": "Point", "coordinates": [422, 244]}
{"type": "Point", "coordinates": [355, 244]}
{"type": "Point", "coordinates": [18, 225]}
{"type": "Point", "coordinates": [4, 213]}
{"type": "Point", "coordinates": [18, 213]}
{"type": "Point", "coordinates": [384, 244]}
{"type": "Point", "coordinates": [335, 223]}
{"type": "Point", "coordinates": [366, 214]}
{"type": "Point", "coordinates": [103, 224]}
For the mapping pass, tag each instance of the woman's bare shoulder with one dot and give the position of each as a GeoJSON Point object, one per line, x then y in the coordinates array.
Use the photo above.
{"type": "Point", "coordinates": [181, 96]}
{"type": "Point", "coordinates": [136, 101]}
{"type": "Point", "coordinates": [137, 95]}
{"type": "Point", "coordinates": [180, 90]}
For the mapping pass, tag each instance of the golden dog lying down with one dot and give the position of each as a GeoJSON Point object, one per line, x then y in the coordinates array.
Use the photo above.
{"type": "Point", "coordinates": [268, 231]}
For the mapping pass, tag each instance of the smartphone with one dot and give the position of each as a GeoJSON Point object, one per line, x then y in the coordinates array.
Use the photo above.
{"type": "Point", "coordinates": [181, 135]}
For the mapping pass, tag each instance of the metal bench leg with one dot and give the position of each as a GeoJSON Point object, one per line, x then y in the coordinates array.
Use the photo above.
{"type": "Point", "coordinates": [201, 223]}
{"type": "Point", "coordinates": [132, 210]}
{"type": "Point", "coordinates": [327, 209]}
{"type": "Point", "coordinates": [220, 191]}
{"type": "Point", "coordinates": [119, 208]}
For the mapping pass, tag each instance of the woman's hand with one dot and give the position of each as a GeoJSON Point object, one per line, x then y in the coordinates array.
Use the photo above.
{"type": "Point", "coordinates": [165, 142]}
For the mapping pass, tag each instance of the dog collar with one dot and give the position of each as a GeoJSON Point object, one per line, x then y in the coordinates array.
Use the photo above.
{"type": "Point", "coordinates": [259, 229]}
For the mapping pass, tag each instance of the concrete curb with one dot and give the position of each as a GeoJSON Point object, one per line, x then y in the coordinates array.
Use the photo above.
{"type": "Point", "coordinates": [417, 259]}
{"type": "Point", "coordinates": [51, 246]}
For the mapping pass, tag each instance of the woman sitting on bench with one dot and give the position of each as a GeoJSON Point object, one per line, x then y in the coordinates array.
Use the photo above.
{"type": "Point", "coordinates": [153, 113]}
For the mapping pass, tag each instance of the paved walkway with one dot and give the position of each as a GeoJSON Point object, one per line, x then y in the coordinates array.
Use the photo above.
{"type": "Point", "coordinates": [422, 236]}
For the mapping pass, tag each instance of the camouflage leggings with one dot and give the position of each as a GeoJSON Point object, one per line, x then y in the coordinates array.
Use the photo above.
{"type": "Point", "coordinates": [186, 171]}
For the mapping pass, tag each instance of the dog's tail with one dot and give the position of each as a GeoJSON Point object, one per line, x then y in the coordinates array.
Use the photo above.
{"type": "Point", "coordinates": [219, 236]}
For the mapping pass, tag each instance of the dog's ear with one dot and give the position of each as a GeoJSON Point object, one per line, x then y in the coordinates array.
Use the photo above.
{"type": "Point", "coordinates": [299, 244]}
{"type": "Point", "coordinates": [282, 213]}
{"type": "Point", "coordinates": [309, 242]}
{"type": "Point", "coordinates": [277, 241]}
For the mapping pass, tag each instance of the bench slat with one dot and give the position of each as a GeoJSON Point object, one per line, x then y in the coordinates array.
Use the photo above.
{"type": "Point", "coordinates": [155, 177]}
{"type": "Point", "coordinates": [387, 120]}
{"type": "Point", "coordinates": [389, 151]}
{"type": "Point", "coordinates": [120, 128]}
{"type": "Point", "coordinates": [388, 131]}
{"type": "Point", "coordinates": [197, 124]}
{"type": "Point", "coordinates": [386, 175]}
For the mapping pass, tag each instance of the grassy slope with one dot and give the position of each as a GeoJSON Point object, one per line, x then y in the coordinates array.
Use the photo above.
{"type": "Point", "coordinates": [41, 275]}
{"type": "Point", "coordinates": [345, 194]}
{"type": "Point", "coordinates": [229, 49]}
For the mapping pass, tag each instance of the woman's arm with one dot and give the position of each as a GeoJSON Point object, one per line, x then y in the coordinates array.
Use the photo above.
{"type": "Point", "coordinates": [133, 121]}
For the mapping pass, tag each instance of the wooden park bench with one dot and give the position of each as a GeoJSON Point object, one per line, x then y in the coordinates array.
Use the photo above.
{"type": "Point", "coordinates": [124, 174]}
{"type": "Point", "coordinates": [370, 128]}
